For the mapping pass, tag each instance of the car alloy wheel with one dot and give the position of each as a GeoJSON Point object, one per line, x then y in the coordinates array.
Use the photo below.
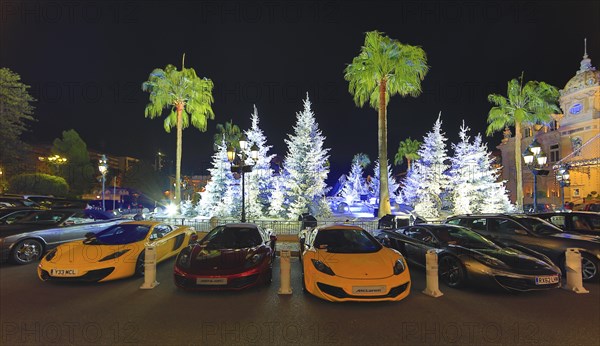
{"type": "Point", "coordinates": [451, 271]}
{"type": "Point", "coordinates": [589, 268]}
{"type": "Point", "coordinates": [27, 251]}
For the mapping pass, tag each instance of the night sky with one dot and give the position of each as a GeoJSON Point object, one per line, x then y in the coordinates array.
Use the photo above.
{"type": "Point", "coordinates": [86, 63]}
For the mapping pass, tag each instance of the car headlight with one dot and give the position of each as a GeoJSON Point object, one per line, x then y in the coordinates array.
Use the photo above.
{"type": "Point", "coordinates": [490, 261]}
{"type": "Point", "coordinates": [184, 259]}
{"type": "Point", "coordinates": [253, 260]}
{"type": "Point", "coordinates": [322, 267]}
{"type": "Point", "coordinates": [399, 267]}
{"type": "Point", "coordinates": [114, 255]}
{"type": "Point", "coordinates": [51, 255]}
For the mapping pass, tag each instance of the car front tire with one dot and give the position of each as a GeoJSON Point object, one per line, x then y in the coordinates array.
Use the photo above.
{"type": "Point", "coordinates": [452, 272]}
{"type": "Point", "coordinates": [27, 251]}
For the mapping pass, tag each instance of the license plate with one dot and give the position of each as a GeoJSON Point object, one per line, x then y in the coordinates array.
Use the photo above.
{"type": "Point", "coordinates": [546, 280]}
{"type": "Point", "coordinates": [211, 281]}
{"type": "Point", "coordinates": [63, 272]}
{"type": "Point", "coordinates": [358, 290]}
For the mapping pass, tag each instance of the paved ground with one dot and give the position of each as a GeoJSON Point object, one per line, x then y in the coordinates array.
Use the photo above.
{"type": "Point", "coordinates": [35, 312]}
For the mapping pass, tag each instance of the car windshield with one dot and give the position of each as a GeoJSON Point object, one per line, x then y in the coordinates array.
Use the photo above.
{"type": "Point", "coordinates": [539, 226]}
{"type": "Point", "coordinates": [48, 217]}
{"type": "Point", "coordinates": [346, 241]}
{"type": "Point", "coordinates": [120, 234]}
{"type": "Point", "coordinates": [463, 237]}
{"type": "Point", "coordinates": [232, 238]}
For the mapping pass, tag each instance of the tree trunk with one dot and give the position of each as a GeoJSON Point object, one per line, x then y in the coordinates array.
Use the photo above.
{"type": "Point", "coordinates": [518, 168]}
{"type": "Point", "coordinates": [384, 194]}
{"type": "Point", "coordinates": [409, 161]}
{"type": "Point", "coordinates": [178, 154]}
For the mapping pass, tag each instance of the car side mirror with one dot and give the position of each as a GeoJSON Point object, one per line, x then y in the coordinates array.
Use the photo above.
{"type": "Point", "coordinates": [273, 237]}
{"type": "Point", "coordinates": [90, 235]}
{"type": "Point", "coordinates": [521, 232]}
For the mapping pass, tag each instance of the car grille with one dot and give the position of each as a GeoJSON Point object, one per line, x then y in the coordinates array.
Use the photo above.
{"type": "Point", "coordinates": [338, 292]}
{"type": "Point", "coordinates": [522, 284]}
{"type": "Point", "coordinates": [91, 276]}
{"type": "Point", "coordinates": [236, 283]}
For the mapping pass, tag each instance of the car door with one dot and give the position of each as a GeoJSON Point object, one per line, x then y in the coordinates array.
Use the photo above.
{"type": "Point", "coordinates": [421, 240]}
{"type": "Point", "coordinates": [162, 246]}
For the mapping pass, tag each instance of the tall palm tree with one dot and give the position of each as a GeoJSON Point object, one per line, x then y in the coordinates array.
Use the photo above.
{"type": "Point", "coordinates": [189, 98]}
{"type": "Point", "coordinates": [407, 149]}
{"type": "Point", "coordinates": [383, 68]}
{"type": "Point", "coordinates": [532, 103]}
{"type": "Point", "coordinates": [230, 132]}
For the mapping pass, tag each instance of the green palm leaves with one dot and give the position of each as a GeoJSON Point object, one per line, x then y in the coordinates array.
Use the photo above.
{"type": "Point", "coordinates": [407, 149]}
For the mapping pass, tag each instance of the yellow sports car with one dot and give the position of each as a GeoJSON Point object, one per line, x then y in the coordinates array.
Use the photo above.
{"type": "Point", "coordinates": [116, 252]}
{"type": "Point", "coordinates": [346, 263]}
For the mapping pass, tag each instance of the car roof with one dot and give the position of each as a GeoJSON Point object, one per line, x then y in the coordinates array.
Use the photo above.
{"type": "Point", "coordinates": [339, 226]}
{"type": "Point", "coordinates": [240, 225]}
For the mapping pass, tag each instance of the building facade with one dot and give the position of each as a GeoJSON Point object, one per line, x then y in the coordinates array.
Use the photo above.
{"type": "Point", "coordinates": [571, 140]}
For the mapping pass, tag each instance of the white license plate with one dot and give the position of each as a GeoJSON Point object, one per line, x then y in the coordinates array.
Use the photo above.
{"type": "Point", "coordinates": [211, 281]}
{"type": "Point", "coordinates": [358, 290]}
{"type": "Point", "coordinates": [546, 280]}
{"type": "Point", "coordinates": [63, 272]}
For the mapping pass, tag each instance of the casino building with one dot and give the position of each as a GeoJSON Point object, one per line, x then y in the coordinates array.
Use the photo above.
{"type": "Point", "coordinates": [571, 142]}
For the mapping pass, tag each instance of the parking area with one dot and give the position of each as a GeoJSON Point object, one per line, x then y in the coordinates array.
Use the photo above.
{"type": "Point", "coordinates": [36, 312]}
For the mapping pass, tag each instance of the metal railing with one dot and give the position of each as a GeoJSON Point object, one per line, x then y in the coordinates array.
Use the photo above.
{"type": "Point", "coordinates": [277, 226]}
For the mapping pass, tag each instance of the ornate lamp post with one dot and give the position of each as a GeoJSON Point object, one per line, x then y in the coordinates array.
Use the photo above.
{"type": "Point", "coordinates": [535, 159]}
{"type": "Point", "coordinates": [563, 178]}
{"type": "Point", "coordinates": [103, 168]}
{"type": "Point", "coordinates": [241, 167]}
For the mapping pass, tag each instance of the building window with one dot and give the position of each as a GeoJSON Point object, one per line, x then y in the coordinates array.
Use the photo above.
{"type": "Point", "coordinates": [527, 132]}
{"type": "Point", "coordinates": [554, 153]}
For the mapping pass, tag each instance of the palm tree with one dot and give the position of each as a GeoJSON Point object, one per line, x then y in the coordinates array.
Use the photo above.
{"type": "Point", "coordinates": [189, 98]}
{"type": "Point", "coordinates": [524, 105]}
{"type": "Point", "coordinates": [407, 149]}
{"type": "Point", "coordinates": [383, 68]}
{"type": "Point", "coordinates": [230, 132]}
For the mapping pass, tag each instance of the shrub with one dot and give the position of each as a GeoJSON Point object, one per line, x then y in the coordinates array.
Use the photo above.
{"type": "Point", "coordinates": [38, 183]}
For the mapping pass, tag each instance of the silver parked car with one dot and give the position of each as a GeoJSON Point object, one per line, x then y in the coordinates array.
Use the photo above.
{"type": "Point", "coordinates": [25, 240]}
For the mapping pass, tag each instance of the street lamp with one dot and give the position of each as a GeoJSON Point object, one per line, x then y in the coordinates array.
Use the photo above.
{"type": "Point", "coordinates": [55, 160]}
{"type": "Point", "coordinates": [535, 159]}
{"type": "Point", "coordinates": [241, 167]}
{"type": "Point", "coordinates": [103, 168]}
{"type": "Point", "coordinates": [563, 178]}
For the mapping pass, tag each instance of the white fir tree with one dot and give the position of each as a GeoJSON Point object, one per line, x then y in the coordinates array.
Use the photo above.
{"type": "Point", "coordinates": [276, 207]}
{"type": "Point", "coordinates": [221, 180]}
{"type": "Point", "coordinates": [426, 182]}
{"type": "Point", "coordinates": [464, 174]}
{"type": "Point", "coordinates": [474, 186]}
{"type": "Point", "coordinates": [305, 165]}
{"type": "Point", "coordinates": [374, 185]}
{"type": "Point", "coordinates": [259, 182]}
{"type": "Point", "coordinates": [355, 184]}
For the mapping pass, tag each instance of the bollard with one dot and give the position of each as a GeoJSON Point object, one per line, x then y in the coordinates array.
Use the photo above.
{"type": "Point", "coordinates": [573, 269]}
{"type": "Point", "coordinates": [432, 289]}
{"type": "Point", "coordinates": [149, 268]}
{"type": "Point", "coordinates": [285, 271]}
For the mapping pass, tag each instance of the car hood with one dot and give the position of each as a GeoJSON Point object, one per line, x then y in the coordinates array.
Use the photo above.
{"type": "Point", "coordinates": [514, 258]}
{"type": "Point", "coordinates": [374, 265]}
{"type": "Point", "coordinates": [79, 253]}
{"type": "Point", "coordinates": [581, 237]}
{"type": "Point", "coordinates": [222, 259]}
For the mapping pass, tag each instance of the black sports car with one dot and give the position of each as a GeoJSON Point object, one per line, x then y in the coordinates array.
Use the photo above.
{"type": "Point", "coordinates": [466, 256]}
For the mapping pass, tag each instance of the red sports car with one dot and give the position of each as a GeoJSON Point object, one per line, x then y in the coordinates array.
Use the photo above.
{"type": "Point", "coordinates": [230, 257]}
